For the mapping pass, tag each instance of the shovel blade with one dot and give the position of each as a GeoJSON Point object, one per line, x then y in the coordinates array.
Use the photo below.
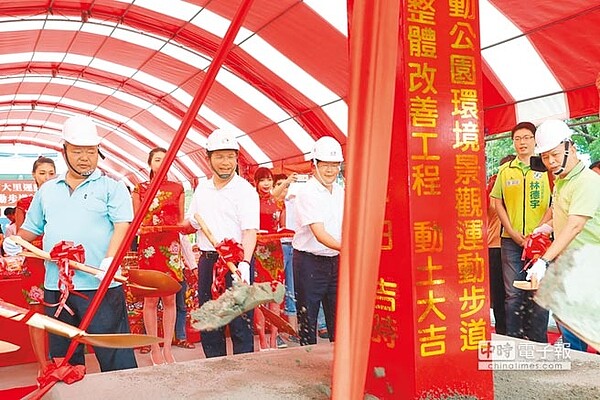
{"type": "Point", "coordinates": [7, 347]}
{"type": "Point", "coordinates": [118, 340]}
{"type": "Point", "coordinates": [163, 283]}
{"type": "Point", "coordinates": [277, 321]}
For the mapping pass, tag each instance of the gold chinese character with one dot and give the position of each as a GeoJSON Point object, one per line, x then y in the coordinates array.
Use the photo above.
{"type": "Point", "coordinates": [464, 102]}
{"type": "Point", "coordinates": [426, 180]}
{"type": "Point", "coordinates": [430, 303]}
{"type": "Point", "coordinates": [472, 302]}
{"type": "Point", "coordinates": [466, 136]}
{"type": "Point", "coordinates": [468, 202]}
{"type": "Point", "coordinates": [423, 112]}
{"type": "Point", "coordinates": [422, 78]}
{"type": "Point", "coordinates": [471, 267]}
{"type": "Point", "coordinates": [467, 168]}
{"type": "Point", "coordinates": [472, 333]}
{"type": "Point", "coordinates": [433, 341]}
{"type": "Point", "coordinates": [470, 234]}
{"type": "Point", "coordinates": [384, 329]}
{"type": "Point", "coordinates": [421, 11]}
{"type": "Point", "coordinates": [464, 36]}
{"type": "Point", "coordinates": [428, 237]}
{"type": "Point", "coordinates": [462, 69]}
{"type": "Point", "coordinates": [429, 268]}
{"type": "Point", "coordinates": [462, 8]}
{"type": "Point", "coordinates": [385, 297]}
{"type": "Point", "coordinates": [425, 136]}
{"type": "Point", "coordinates": [387, 243]}
{"type": "Point", "coordinates": [422, 42]}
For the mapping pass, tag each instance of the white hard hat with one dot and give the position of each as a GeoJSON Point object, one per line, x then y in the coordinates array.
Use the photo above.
{"type": "Point", "coordinates": [327, 149]}
{"type": "Point", "coordinates": [550, 134]}
{"type": "Point", "coordinates": [222, 140]}
{"type": "Point", "coordinates": [80, 131]}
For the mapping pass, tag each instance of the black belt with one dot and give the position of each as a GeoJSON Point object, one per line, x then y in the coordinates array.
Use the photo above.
{"type": "Point", "coordinates": [208, 254]}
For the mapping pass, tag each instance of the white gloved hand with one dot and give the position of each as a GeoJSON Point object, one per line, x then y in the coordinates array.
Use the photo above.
{"type": "Point", "coordinates": [544, 228]}
{"type": "Point", "coordinates": [244, 269]}
{"type": "Point", "coordinates": [11, 248]}
{"type": "Point", "coordinates": [104, 265]}
{"type": "Point", "coordinates": [538, 269]}
{"type": "Point", "coordinates": [194, 223]}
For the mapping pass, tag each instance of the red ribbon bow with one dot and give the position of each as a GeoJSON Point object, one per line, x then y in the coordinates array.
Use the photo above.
{"type": "Point", "coordinates": [535, 246]}
{"type": "Point", "coordinates": [66, 373]}
{"type": "Point", "coordinates": [62, 252]}
{"type": "Point", "coordinates": [53, 373]}
{"type": "Point", "coordinates": [229, 250]}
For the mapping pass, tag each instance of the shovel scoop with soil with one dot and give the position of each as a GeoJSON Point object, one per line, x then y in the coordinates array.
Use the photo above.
{"type": "Point", "coordinates": [570, 289]}
{"type": "Point", "coordinates": [236, 300]}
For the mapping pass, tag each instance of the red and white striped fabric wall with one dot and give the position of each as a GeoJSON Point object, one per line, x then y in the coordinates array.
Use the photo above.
{"type": "Point", "coordinates": [134, 66]}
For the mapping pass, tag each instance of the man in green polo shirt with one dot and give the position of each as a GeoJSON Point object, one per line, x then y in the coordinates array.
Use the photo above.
{"type": "Point", "coordinates": [521, 198]}
{"type": "Point", "coordinates": [576, 199]}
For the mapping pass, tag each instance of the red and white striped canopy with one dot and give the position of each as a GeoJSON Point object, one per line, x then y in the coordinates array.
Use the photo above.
{"type": "Point", "coordinates": [135, 65]}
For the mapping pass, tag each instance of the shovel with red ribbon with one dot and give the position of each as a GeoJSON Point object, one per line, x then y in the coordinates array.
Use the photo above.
{"type": "Point", "coordinates": [146, 283]}
{"type": "Point", "coordinates": [535, 246]}
{"type": "Point", "coordinates": [242, 297]}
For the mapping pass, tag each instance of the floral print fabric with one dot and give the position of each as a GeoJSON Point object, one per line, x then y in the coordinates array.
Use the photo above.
{"type": "Point", "coordinates": [161, 251]}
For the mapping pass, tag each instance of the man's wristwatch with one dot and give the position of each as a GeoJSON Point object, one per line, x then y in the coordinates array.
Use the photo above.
{"type": "Point", "coordinates": [545, 261]}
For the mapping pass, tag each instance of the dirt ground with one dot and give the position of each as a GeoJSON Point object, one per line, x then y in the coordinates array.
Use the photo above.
{"type": "Point", "coordinates": [302, 373]}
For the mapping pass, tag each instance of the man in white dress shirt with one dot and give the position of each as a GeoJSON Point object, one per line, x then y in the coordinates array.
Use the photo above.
{"type": "Point", "coordinates": [317, 242]}
{"type": "Point", "coordinates": [229, 205]}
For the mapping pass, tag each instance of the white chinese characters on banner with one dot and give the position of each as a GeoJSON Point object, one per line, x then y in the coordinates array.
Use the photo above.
{"type": "Point", "coordinates": [13, 190]}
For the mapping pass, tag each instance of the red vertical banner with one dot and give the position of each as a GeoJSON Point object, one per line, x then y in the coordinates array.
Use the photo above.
{"type": "Point", "coordinates": [432, 306]}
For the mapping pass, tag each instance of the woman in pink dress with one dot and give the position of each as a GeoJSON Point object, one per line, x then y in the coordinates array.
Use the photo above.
{"type": "Point", "coordinates": [159, 249]}
{"type": "Point", "coordinates": [43, 170]}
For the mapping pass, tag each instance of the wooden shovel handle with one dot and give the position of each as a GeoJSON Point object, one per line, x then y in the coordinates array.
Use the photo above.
{"type": "Point", "coordinates": [77, 265]}
{"type": "Point", "coordinates": [211, 238]}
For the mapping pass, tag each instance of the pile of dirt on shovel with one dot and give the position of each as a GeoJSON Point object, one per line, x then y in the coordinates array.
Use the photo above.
{"type": "Point", "coordinates": [236, 300]}
{"type": "Point", "coordinates": [570, 291]}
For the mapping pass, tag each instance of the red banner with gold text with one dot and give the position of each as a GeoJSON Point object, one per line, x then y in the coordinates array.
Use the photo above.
{"type": "Point", "coordinates": [432, 306]}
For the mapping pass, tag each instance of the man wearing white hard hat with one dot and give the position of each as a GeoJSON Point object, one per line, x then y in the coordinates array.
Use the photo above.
{"type": "Point", "coordinates": [229, 206]}
{"type": "Point", "coordinates": [576, 198]}
{"type": "Point", "coordinates": [317, 242]}
{"type": "Point", "coordinates": [85, 207]}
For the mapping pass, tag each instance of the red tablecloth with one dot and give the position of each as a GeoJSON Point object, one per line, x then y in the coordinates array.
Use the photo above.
{"type": "Point", "coordinates": [12, 331]}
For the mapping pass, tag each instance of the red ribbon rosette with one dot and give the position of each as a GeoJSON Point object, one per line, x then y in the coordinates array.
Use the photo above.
{"type": "Point", "coordinates": [535, 246]}
{"type": "Point", "coordinates": [229, 250]}
{"type": "Point", "coordinates": [62, 252]}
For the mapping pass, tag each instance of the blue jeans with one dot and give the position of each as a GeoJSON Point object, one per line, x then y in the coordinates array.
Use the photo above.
{"type": "Point", "coordinates": [111, 317]}
{"type": "Point", "coordinates": [315, 280]}
{"type": "Point", "coordinates": [524, 317]}
{"type": "Point", "coordinates": [570, 338]}
{"type": "Point", "coordinates": [321, 323]}
{"type": "Point", "coordinates": [290, 298]}
{"type": "Point", "coordinates": [181, 316]}
{"type": "Point", "coordinates": [242, 336]}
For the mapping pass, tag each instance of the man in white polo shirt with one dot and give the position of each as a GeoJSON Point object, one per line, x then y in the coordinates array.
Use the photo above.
{"type": "Point", "coordinates": [229, 205]}
{"type": "Point", "coordinates": [317, 242]}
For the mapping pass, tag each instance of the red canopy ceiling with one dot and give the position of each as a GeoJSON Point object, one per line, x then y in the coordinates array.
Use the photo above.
{"type": "Point", "coordinates": [134, 66]}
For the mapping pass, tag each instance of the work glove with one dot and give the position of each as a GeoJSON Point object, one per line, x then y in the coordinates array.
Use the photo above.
{"type": "Point", "coordinates": [11, 248]}
{"type": "Point", "coordinates": [104, 265]}
{"type": "Point", "coordinates": [544, 228]}
{"type": "Point", "coordinates": [244, 269]}
{"type": "Point", "coordinates": [538, 269]}
{"type": "Point", "coordinates": [194, 223]}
